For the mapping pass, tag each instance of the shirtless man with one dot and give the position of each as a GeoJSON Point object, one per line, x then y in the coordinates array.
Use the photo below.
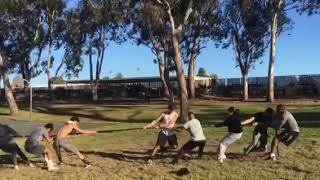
{"type": "Point", "coordinates": [62, 140]}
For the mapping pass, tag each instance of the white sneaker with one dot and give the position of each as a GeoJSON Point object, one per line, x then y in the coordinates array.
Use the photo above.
{"type": "Point", "coordinates": [273, 157]}
{"type": "Point", "coordinates": [31, 165]}
{"type": "Point", "coordinates": [16, 167]}
{"type": "Point", "coordinates": [52, 168]}
{"type": "Point", "coordinates": [149, 162]}
{"type": "Point", "coordinates": [221, 159]}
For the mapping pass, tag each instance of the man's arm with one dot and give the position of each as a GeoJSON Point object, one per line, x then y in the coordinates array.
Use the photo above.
{"type": "Point", "coordinates": [84, 131]}
{"type": "Point", "coordinates": [224, 123]}
{"type": "Point", "coordinates": [153, 123]}
{"type": "Point", "coordinates": [47, 137]}
{"type": "Point", "coordinates": [248, 121]}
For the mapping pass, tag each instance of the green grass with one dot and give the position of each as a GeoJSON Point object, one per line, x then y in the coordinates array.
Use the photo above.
{"type": "Point", "coordinates": [121, 154]}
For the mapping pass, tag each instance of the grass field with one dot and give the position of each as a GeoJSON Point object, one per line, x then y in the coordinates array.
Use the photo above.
{"type": "Point", "coordinates": [121, 152]}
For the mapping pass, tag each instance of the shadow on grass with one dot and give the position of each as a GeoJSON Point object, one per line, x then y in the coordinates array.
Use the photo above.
{"type": "Point", "coordinates": [93, 114]}
{"type": "Point", "coordinates": [128, 156]}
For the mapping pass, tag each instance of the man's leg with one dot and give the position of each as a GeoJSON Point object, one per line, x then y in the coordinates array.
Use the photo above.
{"type": "Point", "coordinates": [185, 148]}
{"type": "Point", "coordinates": [68, 146]}
{"type": "Point", "coordinates": [263, 141]}
{"type": "Point", "coordinates": [201, 148]}
{"type": "Point", "coordinates": [274, 145]}
{"type": "Point", "coordinates": [23, 157]}
{"type": "Point", "coordinates": [255, 139]}
{"type": "Point", "coordinates": [57, 149]}
{"type": "Point", "coordinates": [225, 143]}
{"type": "Point", "coordinates": [48, 158]}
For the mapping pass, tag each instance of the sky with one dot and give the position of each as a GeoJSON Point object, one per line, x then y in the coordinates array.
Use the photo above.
{"type": "Point", "coordinates": [298, 52]}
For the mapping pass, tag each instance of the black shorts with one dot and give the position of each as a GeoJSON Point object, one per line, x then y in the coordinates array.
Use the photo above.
{"type": "Point", "coordinates": [35, 149]}
{"type": "Point", "coordinates": [287, 137]}
{"type": "Point", "coordinates": [163, 139]}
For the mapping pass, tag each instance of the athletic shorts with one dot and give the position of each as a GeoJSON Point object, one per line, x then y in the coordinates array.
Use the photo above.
{"type": "Point", "coordinates": [36, 149]}
{"type": "Point", "coordinates": [66, 145]}
{"type": "Point", "coordinates": [287, 137]}
{"type": "Point", "coordinates": [163, 139]}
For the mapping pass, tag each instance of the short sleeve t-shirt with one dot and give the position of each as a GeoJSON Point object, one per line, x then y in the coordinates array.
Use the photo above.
{"type": "Point", "coordinates": [36, 136]}
{"type": "Point", "coordinates": [262, 120]}
{"type": "Point", "coordinates": [195, 130]}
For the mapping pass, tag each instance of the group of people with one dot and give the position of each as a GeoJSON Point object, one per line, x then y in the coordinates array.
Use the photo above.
{"type": "Point", "coordinates": [34, 146]}
{"type": "Point", "coordinates": [281, 119]}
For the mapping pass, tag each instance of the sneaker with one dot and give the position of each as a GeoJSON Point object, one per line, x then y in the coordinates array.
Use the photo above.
{"type": "Point", "coordinates": [221, 159]}
{"type": "Point", "coordinates": [149, 161]}
{"type": "Point", "coordinates": [87, 165]}
{"type": "Point", "coordinates": [31, 165]}
{"type": "Point", "coordinates": [60, 163]}
{"type": "Point", "coordinates": [16, 167]}
{"type": "Point", "coordinates": [52, 168]}
{"type": "Point", "coordinates": [273, 157]}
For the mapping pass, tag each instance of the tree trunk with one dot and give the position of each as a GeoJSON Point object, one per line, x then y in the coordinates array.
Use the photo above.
{"type": "Point", "coordinates": [91, 68]}
{"type": "Point", "coordinates": [167, 72]}
{"type": "Point", "coordinates": [184, 104]}
{"type": "Point", "coordinates": [95, 92]}
{"type": "Point", "coordinates": [191, 83]}
{"type": "Point", "coordinates": [49, 66]}
{"type": "Point", "coordinates": [7, 87]}
{"type": "Point", "coordinates": [274, 28]}
{"type": "Point", "coordinates": [162, 67]}
{"type": "Point", "coordinates": [192, 62]}
{"type": "Point", "coordinates": [245, 87]}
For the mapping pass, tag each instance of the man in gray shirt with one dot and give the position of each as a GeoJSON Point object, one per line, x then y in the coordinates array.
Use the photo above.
{"type": "Point", "coordinates": [33, 144]}
{"type": "Point", "coordinates": [286, 121]}
{"type": "Point", "coordinates": [9, 145]}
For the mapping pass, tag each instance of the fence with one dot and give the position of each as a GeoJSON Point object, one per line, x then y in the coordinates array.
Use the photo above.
{"type": "Point", "coordinates": [285, 86]}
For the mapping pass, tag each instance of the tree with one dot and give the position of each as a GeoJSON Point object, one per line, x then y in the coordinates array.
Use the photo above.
{"type": "Point", "coordinates": [202, 72]}
{"type": "Point", "coordinates": [178, 13]}
{"type": "Point", "coordinates": [119, 76]}
{"type": "Point", "coordinates": [203, 24]}
{"type": "Point", "coordinates": [276, 9]}
{"type": "Point", "coordinates": [58, 80]}
{"type": "Point", "coordinates": [247, 30]}
{"type": "Point", "coordinates": [101, 23]}
{"type": "Point", "coordinates": [148, 29]}
{"type": "Point", "coordinates": [7, 40]}
{"type": "Point", "coordinates": [29, 39]}
{"type": "Point", "coordinates": [53, 12]}
{"type": "Point", "coordinates": [308, 6]}
{"type": "Point", "coordinates": [7, 87]}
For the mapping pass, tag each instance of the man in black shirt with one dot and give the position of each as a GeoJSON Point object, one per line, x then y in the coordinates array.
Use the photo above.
{"type": "Point", "coordinates": [234, 132]}
{"type": "Point", "coordinates": [261, 121]}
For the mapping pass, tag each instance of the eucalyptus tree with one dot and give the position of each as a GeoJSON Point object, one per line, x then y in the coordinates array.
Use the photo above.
{"type": "Point", "coordinates": [278, 23]}
{"type": "Point", "coordinates": [203, 25]}
{"type": "Point", "coordinates": [7, 41]}
{"type": "Point", "coordinates": [148, 22]}
{"type": "Point", "coordinates": [247, 30]}
{"type": "Point", "coordinates": [102, 22]}
{"type": "Point", "coordinates": [308, 6]}
{"type": "Point", "coordinates": [53, 19]}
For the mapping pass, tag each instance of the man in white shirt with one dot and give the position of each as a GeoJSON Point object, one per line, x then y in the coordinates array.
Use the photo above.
{"type": "Point", "coordinates": [197, 138]}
